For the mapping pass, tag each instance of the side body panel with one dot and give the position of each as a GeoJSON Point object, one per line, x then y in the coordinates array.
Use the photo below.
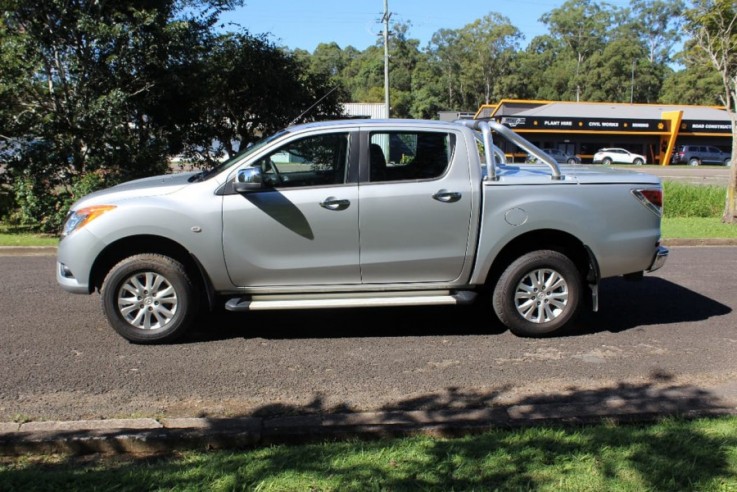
{"type": "Point", "coordinates": [619, 230]}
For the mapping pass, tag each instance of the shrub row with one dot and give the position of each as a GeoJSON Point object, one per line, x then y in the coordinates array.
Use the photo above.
{"type": "Point", "coordinates": [691, 200]}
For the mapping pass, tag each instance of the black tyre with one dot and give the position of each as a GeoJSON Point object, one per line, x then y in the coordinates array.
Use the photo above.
{"type": "Point", "coordinates": [638, 162]}
{"type": "Point", "coordinates": [538, 294]}
{"type": "Point", "coordinates": [572, 161]}
{"type": "Point", "coordinates": [606, 161]}
{"type": "Point", "coordinates": [149, 298]}
{"type": "Point", "coordinates": [694, 162]}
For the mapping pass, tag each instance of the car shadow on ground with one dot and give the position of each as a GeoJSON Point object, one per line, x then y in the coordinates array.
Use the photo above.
{"type": "Point", "coordinates": [341, 323]}
{"type": "Point", "coordinates": [624, 305]}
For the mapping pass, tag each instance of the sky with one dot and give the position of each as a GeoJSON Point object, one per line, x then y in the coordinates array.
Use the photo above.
{"type": "Point", "coordinates": [306, 23]}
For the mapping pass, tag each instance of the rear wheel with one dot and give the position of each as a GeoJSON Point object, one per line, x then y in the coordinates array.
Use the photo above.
{"type": "Point", "coordinates": [694, 161]}
{"type": "Point", "coordinates": [149, 298]}
{"type": "Point", "coordinates": [538, 294]}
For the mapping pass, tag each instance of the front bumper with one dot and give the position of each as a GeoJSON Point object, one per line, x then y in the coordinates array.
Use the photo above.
{"type": "Point", "coordinates": [659, 259]}
{"type": "Point", "coordinates": [65, 278]}
{"type": "Point", "coordinates": [75, 256]}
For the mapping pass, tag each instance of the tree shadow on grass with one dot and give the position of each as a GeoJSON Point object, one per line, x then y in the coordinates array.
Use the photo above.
{"type": "Point", "coordinates": [544, 441]}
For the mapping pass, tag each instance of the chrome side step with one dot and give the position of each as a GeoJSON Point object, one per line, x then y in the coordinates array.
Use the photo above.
{"type": "Point", "coordinates": [321, 301]}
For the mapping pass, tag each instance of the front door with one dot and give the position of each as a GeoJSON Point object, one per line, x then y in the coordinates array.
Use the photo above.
{"type": "Point", "coordinates": [303, 228]}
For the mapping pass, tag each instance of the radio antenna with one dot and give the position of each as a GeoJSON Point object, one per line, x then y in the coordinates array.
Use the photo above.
{"type": "Point", "coordinates": [295, 120]}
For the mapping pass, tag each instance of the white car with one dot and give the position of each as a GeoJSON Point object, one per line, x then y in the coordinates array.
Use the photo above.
{"type": "Point", "coordinates": [617, 155]}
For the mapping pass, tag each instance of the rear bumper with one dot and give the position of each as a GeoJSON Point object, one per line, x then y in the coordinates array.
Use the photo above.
{"type": "Point", "coordinates": [659, 259]}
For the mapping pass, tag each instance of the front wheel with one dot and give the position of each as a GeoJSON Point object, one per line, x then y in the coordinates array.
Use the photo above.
{"type": "Point", "coordinates": [638, 162]}
{"type": "Point", "coordinates": [607, 161]}
{"type": "Point", "coordinates": [538, 294]}
{"type": "Point", "coordinates": [149, 298]}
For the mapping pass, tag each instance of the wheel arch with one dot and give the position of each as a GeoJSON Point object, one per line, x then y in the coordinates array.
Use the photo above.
{"type": "Point", "coordinates": [133, 245]}
{"type": "Point", "coordinates": [552, 239]}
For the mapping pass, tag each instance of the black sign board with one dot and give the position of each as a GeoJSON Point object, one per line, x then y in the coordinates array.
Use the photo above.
{"type": "Point", "coordinates": [696, 126]}
{"type": "Point", "coordinates": [585, 124]}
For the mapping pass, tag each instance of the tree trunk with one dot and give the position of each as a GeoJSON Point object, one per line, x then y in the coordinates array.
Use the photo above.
{"type": "Point", "coordinates": [730, 208]}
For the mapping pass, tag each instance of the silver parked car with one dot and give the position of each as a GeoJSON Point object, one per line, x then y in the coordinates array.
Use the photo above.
{"type": "Point", "coordinates": [559, 156]}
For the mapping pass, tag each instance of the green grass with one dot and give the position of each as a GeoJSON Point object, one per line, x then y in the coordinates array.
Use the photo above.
{"type": "Point", "coordinates": [673, 455]}
{"type": "Point", "coordinates": [689, 200]}
{"type": "Point", "coordinates": [27, 239]}
{"type": "Point", "coordinates": [697, 228]}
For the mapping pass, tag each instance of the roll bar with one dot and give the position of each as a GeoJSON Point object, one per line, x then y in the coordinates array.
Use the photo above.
{"type": "Point", "coordinates": [486, 126]}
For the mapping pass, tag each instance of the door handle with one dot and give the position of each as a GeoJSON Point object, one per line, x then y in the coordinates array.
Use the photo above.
{"type": "Point", "coordinates": [332, 203]}
{"type": "Point", "coordinates": [446, 196]}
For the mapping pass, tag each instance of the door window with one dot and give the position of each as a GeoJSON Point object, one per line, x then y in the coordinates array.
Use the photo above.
{"type": "Point", "coordinates": [398, 156]}
{"type": "Point", "coordinates": [311, 161]}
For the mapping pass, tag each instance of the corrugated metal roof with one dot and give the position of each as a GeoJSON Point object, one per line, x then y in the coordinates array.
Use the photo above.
{"type": "Point", "coordinates": [365, 110]}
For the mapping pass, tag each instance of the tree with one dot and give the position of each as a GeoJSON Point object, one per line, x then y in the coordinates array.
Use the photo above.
{"type": "Point", "coordinates": [476, 61]}
{"type": "Point", "coordinates": [427, 89]}
{"type": "Point", "coordinates": [659, 25]}
{"type": "Point", "coordinates": [698, 83]}
{"type": "Point", "coordinates": [247, 87]}
{"type": "Point", "coordinates": [545, 69]}
{"type": "Point", "coordinates": [490, 45]}
{"type": "Point", "coordinates": [92, 88]}
{"type": "Point", "coordinates": [364, 76]}
{"type": "Point", "coordinates": [583, 26]}
{"type": "Point", "coordinates": [97, 92]}
{"type": "Point", "coordinates": [445, 52]}
{"type": "Point", "coordinates": [713, 24]}
{"type": "Point", "coordinates": [404, 55]}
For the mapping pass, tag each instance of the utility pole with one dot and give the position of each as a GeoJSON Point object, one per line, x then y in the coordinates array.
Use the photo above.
{"type": "Point", "coordinates": [632, 84]}
{"type": "Point", "coordinates": [385, 19]}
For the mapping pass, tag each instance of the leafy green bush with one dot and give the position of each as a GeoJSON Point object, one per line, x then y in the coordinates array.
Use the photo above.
{"type": "Point", "coordinates": [691, 200]}
{"type": "Point", "coordinates": [44, 210]}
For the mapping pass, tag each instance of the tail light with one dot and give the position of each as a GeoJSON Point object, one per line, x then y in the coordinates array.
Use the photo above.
{"type": "Point", "coordinates": [651, 198]}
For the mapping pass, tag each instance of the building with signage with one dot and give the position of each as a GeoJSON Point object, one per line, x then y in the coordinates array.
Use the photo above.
{"type": "Point", "coordinates": [582, 128]}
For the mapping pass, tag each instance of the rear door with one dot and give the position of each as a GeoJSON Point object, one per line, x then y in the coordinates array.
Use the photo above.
{"type": "Point", "coordinates": [715, 155]}
{"type": "Point", "coordinates": [416, 206]}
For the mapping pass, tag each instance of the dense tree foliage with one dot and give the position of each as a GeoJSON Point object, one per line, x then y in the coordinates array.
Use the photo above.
{"type": "Point", "coordinates": [713, 24]}
{"type": "Point", "coordinates": [93, 92]}
{"type": "Point", "coordinates": [593, 52]}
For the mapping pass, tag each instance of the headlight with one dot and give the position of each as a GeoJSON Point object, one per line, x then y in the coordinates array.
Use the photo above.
{"type": "Point", "coordinates": [77, 219]}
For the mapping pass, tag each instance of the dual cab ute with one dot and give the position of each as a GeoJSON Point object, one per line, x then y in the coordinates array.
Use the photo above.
{"type": "Point", "coordinates": [363, 213]}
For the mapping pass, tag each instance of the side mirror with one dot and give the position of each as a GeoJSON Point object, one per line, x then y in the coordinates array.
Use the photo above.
{"type": "Point", "coordinates": [248, 179]}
